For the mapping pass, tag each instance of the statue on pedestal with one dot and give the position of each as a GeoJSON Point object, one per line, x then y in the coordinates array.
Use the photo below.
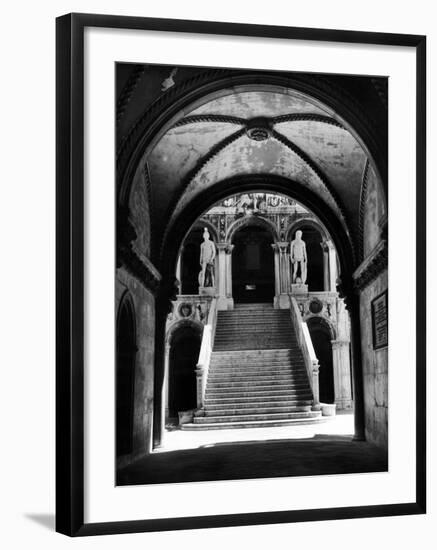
{"type": "Point", "coordinates": [207, 256]}
{"type": "Point", "coordinates": [298, 256]}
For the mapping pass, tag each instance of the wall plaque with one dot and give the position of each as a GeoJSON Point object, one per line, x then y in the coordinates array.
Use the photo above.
{"type": "Point", "coordinates": [379, 307]}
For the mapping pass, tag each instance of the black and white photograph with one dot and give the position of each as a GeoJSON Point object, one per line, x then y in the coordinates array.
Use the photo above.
{"type": "Point", "coordinates": [251, 281]}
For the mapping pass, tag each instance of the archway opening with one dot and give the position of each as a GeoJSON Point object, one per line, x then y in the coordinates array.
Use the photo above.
{"type": "Point", "coordinates": [252, 265]}
{"type": "Point", "coordinates": [184, 354]}
{"type": "Point", "coordinates": [321, 337]}
{"type": "Point", "coordinates": [126, 354]}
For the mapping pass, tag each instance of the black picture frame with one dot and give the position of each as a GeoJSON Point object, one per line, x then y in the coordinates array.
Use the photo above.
{"type": "Point", "coordinates": [70, 273]}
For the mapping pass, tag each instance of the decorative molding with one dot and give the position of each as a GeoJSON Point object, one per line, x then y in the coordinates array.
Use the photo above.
{"type": "Point", "coordinates": [291, 117]}
{"type": "Point", "coordinates": [136, 264]}
{"type": "Point", "coordinates": [381, 87]}
{"type": "Point", "coordinates": [141, 268]}
{"type": "Point", "coordinates": [128, 90]}
{"type": "Point", "coordinates": [372, 266]}
{"type": "Point", "coordinates": [363, 197]}
{"type": "Point", "coordinates": [310, 117]}
{"type": "Point", "coordinates": [194, 119]}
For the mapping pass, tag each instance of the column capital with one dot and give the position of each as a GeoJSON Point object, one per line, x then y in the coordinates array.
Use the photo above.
{"type": "Point", "coordinates": [222, 246]}
{"type": "Point", "coordinates": [229, 248]}
{"type": "Point", "coordinates": [338, 343]}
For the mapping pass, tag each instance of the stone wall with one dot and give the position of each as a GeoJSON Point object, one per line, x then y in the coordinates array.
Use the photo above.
{"type": "Point", "coordinates": [375, 368]}
{"type": "Point", "coordinates": [144, 303]}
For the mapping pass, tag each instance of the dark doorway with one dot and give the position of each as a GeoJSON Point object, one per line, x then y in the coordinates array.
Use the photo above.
{"type": "Point", "coordinates": [313, 241]}
{"type": "Point", "coordinates": [190, 266]}
{"type": "Point", "coordinates": [321, 338]}
{"type": "Point", "coordinates": [184, 354]}
{"type": "Point", "coordinates": [253, 273]}
{"type": "Point", "coordinates": [125, 367]}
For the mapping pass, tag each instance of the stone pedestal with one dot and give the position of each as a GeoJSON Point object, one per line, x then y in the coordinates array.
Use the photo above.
{"type": "Point", "coordinates": [281, 301]}
{"type": "Point", "coordinates": [207, 291]}
{"type": "Point", "coordinates": [299, 288]}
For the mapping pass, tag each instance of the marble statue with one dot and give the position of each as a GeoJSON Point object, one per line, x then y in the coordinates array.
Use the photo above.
{"type": "Point", "coordinates": [207, 256]}
{"type": "Point", "coordinates": [298, 256]}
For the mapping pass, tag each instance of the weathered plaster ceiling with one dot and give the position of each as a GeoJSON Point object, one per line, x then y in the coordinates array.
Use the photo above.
{"type": "Point", "coordinates": [211, 143]}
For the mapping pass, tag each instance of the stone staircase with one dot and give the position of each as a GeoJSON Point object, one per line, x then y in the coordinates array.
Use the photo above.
{"type": "Point", "coordinates": [257, 376]}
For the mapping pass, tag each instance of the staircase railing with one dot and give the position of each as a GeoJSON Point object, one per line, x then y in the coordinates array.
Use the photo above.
{"type": "Point", "coordinates": [309, 355]}
{"type": "Point", "coordinates": [206, 346]}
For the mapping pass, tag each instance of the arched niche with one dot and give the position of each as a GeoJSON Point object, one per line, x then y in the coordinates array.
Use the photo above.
{"type": "Point", "coordinates": [321, 335]}
{"type": "Point", "coordinates": [184, 341]}
{"type": "Point", "coordinates": [187, 272]}
{"type": "Point", "coordinates": [253, 270]}
{"type": "Point", "coordinates": [126, 349]}
{"type": "Point", "coordinates": [252, 220]}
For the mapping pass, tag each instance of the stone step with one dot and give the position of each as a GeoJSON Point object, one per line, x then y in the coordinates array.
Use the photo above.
{"type": "Point", "coordinates": [262, 401]}
{"type": "Point", "coordinates": [246, 323]}
{"type": "Point", "coordinates": [255, 417]}
{"type": "Point", "coordinates": [249, 346]}
{"type": "Point", "coordinates": [231, 362]}
{"type": "Point", "coordinates": [260, 377]}
{"type": "Point", "coordinates": [239, 330]}
{"type": "Point", "coordinates": [248, 386]}
{"type": "Point", "coordinates": [256, 410]}
{"type": "Point", "coordinates": [256, 424]}
{"type": "Point", "coordinates": [254, 371]}
{"type": "Point", "coordinates": [226, 370]}
{"type": "Point", "coordinates": [270, 393]}
{"type": "Point", "coordinates": [257, 353]}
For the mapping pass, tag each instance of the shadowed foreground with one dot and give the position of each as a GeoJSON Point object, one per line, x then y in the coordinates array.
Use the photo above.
{"type": "Point", "coordinates": [321, 455]}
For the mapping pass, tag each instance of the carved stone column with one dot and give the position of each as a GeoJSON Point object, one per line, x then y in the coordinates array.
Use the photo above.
{"type": "Point", "coordinates": [165, 387]}
{"type": "Point", "coordinates": [326, 266]}
{"type": "Point", "coordinates": [282, 274]}
{"type": "Point", "coordinates": [332, 266]}
{"type": "Point", "coordinates": [221, 276]}
{"type": "Point", "coordinates": [228, 282]}
{"type": "Point", "coordinates": [315, 385]}
{"type": "Point", "coordinates": [199, 386]}
{"type": "Point", "coordinates": [179, 269]}
{"type": "Point", "coordinates": [275, 247]}
{"type": "Point", "coordinates": [285, 267]}
{"type": "Point", "coordinates": [342, 374]}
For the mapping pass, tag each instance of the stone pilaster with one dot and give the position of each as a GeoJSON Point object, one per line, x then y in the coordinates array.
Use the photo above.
{"type": "Point", "coordinates": [228, 281]}
{"type": "Point", "coordinates": [326, 266]}
{"type": "Point", "coordinates": [342, 374]}
{"type": "Point", "coordinates": [332, 267]}
{"type": "Point", "coordinates": [222, 302]}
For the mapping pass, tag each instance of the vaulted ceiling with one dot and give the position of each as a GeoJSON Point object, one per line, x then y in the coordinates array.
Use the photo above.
{"type": "Point", "coordinates": [258, 130]}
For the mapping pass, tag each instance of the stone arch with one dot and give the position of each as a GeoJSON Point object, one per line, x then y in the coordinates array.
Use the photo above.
{"type": "Point", "coordinates": [289, 235]}
{"type": "Point", "coordinates": [195, 325]}
{"type": "Point", "coordinates": [259, 221]}
{"type": "Point", "coordinates": [211, 228]}
{"type": "Point", "coordinates": [250, 183]}
{"type": "Point", "coordinates": [320, 318]}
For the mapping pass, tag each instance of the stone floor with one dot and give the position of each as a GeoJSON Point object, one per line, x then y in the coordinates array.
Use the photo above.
{"type": "Point", "coordinates": [217, 455]}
